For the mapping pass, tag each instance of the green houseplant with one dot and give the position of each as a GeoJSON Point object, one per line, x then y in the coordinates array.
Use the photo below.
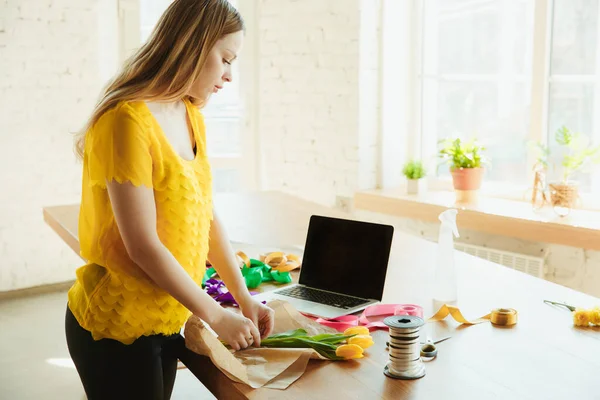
{"type": "Point", "coordinates": [578, 156]}
{"type": "Point", "coordinates": [466, 159]}
{"type": "Point", "coordinates": [415, 174]}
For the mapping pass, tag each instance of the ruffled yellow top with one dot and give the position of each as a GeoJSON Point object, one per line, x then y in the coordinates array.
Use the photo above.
{"type": "Point", "coordinates": [112, 297]}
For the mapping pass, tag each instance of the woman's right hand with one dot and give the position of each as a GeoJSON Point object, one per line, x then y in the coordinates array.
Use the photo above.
{"type": "Point", "coordinates": [236, 330]}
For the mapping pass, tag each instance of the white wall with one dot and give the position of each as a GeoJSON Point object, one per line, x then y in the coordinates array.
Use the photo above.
{"type": "Point", "coordinates": [48, 84]}
{"type": "Point", "coordinates": [309, 96]}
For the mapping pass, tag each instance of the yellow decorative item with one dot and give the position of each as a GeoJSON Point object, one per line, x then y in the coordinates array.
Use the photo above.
{"type": "Point", "coordinates": [245, 258]}
{"type": "Point", "coordinates": [280, 261]}
{"type": "Point", "coordinates": [277, 260]}
{"type": "Point", "coordinates": [581, 317]}
{"type": "Point", "coordinates": [357, 330]}
{"type": "Point", "coordinates": [499, 316]}
{"type": "Point", "coordinates": [539, 197]}
{"type": "Point", "coordinates": [349, 351]}
{"type": "Point", "coordinates": [595, 317]}
{"type": "Point", "coordinates": [112, 297]}
{"type": "Point", "coordinates": [364, 341]}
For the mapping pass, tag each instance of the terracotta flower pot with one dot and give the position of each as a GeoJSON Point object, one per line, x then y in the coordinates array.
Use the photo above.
{"type": "Point", "coordinates": [466, 178]}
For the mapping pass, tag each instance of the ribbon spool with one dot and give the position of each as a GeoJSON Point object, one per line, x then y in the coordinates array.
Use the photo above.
{"type": "Point", "coordinates": [504, 316]}
{"type": "Point", "coordinates": [409, 309]}
{"type": "Point", "coordinates": [404, 347]}
{"type": "Point", "coordinates": [498, 316]}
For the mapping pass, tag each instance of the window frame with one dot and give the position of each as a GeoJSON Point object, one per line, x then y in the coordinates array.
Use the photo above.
{"type": "Point", "coordinates": [540, 82]}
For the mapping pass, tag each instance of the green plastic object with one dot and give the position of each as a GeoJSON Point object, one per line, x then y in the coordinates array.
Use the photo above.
{"type": "Point", "coordinates": [252, 276]}
{"type": "Point", "coordinates": [258, 273]}
{"type": "Point", "coordinates": [265, 272]}
{"type": "Point", "coordinates": [281, 277]}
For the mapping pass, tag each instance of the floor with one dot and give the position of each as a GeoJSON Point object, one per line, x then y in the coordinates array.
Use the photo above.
{"type": "Point", "coordinates": [34, 360]}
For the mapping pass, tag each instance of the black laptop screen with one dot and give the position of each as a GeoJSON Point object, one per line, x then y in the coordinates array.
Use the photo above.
{"type": "Point", "coordinates": [345, 256]}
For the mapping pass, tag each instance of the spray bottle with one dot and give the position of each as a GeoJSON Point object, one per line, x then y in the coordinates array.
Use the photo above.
{"type": "Point", "coordinates": [444, 282]}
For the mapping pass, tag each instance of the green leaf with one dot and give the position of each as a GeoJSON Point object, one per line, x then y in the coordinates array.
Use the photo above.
{"type": "Point", "coordinates": [324, 344]}
{"type": "Point", "coordinates": [580, 155]}
{"type": "Point", "coordinates": [414, 170]}
{"type": "Point", "coordinates": [461, 154]}
{"type": "Point", "coordinates": [563, 136]}
{"type": "Point", "coordinates": [289, 334]}
{"type": "Point", "coordinates": [541, 152]}
{"type": "Point", "coordinates": [331, 338]}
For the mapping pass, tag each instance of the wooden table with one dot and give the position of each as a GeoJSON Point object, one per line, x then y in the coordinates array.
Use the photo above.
{"type": "Point", "coordinates": [542, 357]}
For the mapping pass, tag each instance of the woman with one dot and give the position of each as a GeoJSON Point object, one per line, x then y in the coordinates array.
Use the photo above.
{"type": "Point", "coordinates": [146, 224]}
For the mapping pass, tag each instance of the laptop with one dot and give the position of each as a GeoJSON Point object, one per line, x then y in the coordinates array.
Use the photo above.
{"type": "Point", "coordinates": [343, 268]}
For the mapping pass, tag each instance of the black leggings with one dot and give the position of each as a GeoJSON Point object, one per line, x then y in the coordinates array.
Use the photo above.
{"type": "Point", "coordinates": [109, 369]}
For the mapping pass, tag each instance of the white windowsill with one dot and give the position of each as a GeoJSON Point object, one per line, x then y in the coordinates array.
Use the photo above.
{"type": "Point", "coordinates": [499, 216]}
{"type": "Point", "coordinates": [519, 193]}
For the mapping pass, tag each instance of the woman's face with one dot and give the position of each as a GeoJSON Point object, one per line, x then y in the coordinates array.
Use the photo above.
{"type": "Point", "coordinates": [217, 69]}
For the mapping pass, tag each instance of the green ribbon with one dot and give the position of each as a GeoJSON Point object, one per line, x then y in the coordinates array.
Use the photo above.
{"type": "Point", "coordinates": [281, 277]}
{"type": "Point", "coordinates": [260, 272]}
{"type": "Point", "coordinates": [257, 273]}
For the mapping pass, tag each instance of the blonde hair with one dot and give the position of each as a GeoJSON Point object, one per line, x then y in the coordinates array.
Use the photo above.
{"type": "Point", "coordinates": [167, 65]}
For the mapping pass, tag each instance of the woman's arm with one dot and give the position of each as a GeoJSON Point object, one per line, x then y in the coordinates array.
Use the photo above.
{"type": "Point", "coordinates": [223, 259]}
{"type": "Point", "coordinates": [135, 213]}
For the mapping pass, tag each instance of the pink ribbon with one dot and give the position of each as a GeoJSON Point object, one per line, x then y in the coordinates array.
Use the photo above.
{"type": "Point", "coordinates": [372, 317]}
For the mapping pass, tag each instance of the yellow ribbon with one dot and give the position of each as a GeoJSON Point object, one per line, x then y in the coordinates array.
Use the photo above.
{"type": "Point", "coordinates": [244, 258]}
{"type": "Point", "coordinates": [277, 260]}
{"type": "Point", "coordinates": [280, 261]}
{"type": "Point", "coordinates": [498, 316]}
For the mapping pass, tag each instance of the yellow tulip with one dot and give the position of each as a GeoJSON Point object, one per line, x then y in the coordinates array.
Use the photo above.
{"type": "Point", "coordinates": [581, 317]}
{"type": "Point", "coordinates": [364, 341]}
{"type": "Point", "coordinates": [349, 351]}
{"type": "Point", "coordinates": [595, 316]}
{"type": "Point", "coordinates": [357, 330]}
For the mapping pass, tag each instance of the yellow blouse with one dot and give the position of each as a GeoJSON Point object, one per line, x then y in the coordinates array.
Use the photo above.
{"type": "Point", "coordinates": [112, 297]}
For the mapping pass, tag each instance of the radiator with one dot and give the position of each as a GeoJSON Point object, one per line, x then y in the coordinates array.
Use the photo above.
{"type": "Point", "coordinates": [528, 264]}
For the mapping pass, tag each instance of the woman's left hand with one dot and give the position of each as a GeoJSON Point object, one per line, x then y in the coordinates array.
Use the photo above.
{"type": "Point", "coordinates": [262, 316]}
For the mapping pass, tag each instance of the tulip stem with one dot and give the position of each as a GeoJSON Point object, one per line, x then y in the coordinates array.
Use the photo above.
{"type": "Point", "coordinates": [571, 308]}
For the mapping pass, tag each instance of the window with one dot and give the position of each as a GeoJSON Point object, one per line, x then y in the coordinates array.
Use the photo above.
{"type": "Point", "coordinates": [574, 70]}
{"type": "Point", "coordinates": [224, 116]}
{"type": "Point", "coordinates": [488, 71]}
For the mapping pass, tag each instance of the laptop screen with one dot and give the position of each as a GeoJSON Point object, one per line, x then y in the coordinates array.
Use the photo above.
{"type": "Point", "coordinates": [345, 256]}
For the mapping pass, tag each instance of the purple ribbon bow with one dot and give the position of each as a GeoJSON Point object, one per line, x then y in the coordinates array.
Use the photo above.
{"type": "Point", "coordinates": [220, 293]}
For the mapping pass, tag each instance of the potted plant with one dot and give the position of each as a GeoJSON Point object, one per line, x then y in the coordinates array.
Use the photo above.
{"type": "Point", "coordinates": [578, 156]}
{"type": "Point", "coordinates": [466, 161]}
{"type": "Point", "coordinates": [415, 173]}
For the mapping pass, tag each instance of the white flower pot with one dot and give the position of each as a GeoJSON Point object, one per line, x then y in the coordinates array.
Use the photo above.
{"type": "Point", "coordinates": [416, 186]}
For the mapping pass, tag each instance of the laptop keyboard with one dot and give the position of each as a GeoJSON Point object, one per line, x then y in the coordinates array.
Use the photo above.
{"type": "Point", "coordinates": [319, 296]}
